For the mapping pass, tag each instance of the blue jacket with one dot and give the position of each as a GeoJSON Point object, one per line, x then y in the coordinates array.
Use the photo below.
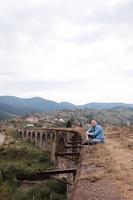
{"type": "Point", "coordinates": [97, 133]}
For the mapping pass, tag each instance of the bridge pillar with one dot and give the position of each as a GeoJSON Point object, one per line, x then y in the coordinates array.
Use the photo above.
{"type": "Point", "coordinates": [38, 138]}
{"type": "Point", "coordinates": [24, 135]}
{"type": "Point", "coordinates": [29, 136]}
{"type": "Point", "coordinates": [44, 140]}
{"type": "Point", "coordinates": [33, 137]}
{"type": "Point", "coordinates": [53, 146]}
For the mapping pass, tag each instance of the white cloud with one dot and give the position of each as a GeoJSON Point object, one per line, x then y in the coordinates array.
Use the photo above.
{"type": "Point", "coordinates": [78, 51]}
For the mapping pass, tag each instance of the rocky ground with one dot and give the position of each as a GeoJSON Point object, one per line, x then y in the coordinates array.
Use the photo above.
{"type": "Point", "coordinates": [2, 139]}
{"type": "Point", "coordinates": [105, 172]}
{"type": "Point", "coordinates": [5, 139]}
{"type": "Point", "coordinates": [121, 149]}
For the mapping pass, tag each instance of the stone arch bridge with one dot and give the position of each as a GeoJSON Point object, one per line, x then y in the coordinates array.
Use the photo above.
{"type": "Point", "coordinates": [56, 141]}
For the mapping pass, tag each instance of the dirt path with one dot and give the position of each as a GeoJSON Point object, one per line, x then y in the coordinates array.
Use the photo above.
{"type": "Point", "coordinates": [124, 162]}
{"type": "Point", "coordinates": [105, 172]}
{"type": "Point", "coordinates": [97, 177]}
{"type": "Point", "coordinates": [2, 139]}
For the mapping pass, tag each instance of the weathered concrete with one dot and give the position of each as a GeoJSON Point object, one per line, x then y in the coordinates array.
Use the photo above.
{"type": "Point", "coordinates": [2, 139]}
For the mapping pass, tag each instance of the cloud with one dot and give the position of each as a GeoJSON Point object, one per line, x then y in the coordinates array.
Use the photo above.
{"type": "Point", "coordinates": [75, 51]}
{"type": "Point", "coordinates": [26, 86]}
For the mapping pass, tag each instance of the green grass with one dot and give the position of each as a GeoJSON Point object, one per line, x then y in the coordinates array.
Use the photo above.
{"type": "Point", "coordinates": [46, 191]}
{"type": "Point", "coordinates": [25, 158]}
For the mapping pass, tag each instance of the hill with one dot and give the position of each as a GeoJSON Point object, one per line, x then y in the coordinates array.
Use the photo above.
{"type": "Point", "coordinates": [99, 106]}
{"type": "Point", "coordinates": [11, 105]}
{"type": "Point", "coordinates": [7, 110]}
{"type": "Point", "coordinates": [21, 106]}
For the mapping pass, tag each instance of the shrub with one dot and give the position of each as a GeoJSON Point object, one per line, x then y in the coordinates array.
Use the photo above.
{"type": "Point", "coordinates": [5, 192]}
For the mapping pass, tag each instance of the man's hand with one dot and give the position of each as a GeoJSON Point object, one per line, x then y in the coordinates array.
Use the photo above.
{"type": "Point", "coordinates": [87, 135]}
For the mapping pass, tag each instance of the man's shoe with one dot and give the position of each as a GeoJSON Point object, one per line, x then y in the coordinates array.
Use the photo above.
{"type": "Point", "coordinates": [86, 143]}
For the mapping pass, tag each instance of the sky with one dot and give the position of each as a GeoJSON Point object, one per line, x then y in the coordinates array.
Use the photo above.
{"type": "Point", "coordinates": [79, 51]}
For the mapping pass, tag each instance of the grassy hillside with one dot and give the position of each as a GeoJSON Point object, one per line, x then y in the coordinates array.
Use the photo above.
{"type": "Point", "coordinates": [24, 158]}
{"type": "Point", "coordinates": [8, 110]}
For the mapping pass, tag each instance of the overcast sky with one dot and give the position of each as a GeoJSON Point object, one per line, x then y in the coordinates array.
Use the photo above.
{"type": "Point", "coordinates": [78, 51]}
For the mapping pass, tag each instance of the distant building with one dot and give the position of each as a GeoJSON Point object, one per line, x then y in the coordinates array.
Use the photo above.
{"type": "Point", "coordinates": [32, 119]}
{"type": "Point", "coordinates": [30, 125]}
{"type": "Point", "coordinates": [61, 120]}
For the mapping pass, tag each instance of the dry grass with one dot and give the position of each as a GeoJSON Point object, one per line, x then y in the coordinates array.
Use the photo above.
{"type": "Point", "coordinates": [109, 167]}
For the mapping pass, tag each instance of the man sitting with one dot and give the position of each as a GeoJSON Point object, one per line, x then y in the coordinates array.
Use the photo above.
{"type": "Point", "coordinates": [95, 134]}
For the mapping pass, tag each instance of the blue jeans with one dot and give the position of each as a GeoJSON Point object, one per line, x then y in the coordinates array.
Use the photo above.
{"type": "Point", "coordinates": [96, 141]}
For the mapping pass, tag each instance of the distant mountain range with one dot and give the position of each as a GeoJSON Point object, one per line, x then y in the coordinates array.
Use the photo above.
{"type": "Point", "coordinates": [11, 105]}
{"type": "Point", "coordinates": [100, 106]}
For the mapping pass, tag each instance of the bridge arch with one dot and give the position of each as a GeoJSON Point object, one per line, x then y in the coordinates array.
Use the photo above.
{"type": "Point", "coordinates": [60, 161]}
{"type": "Point", "coordinates": [60, 144]}
{"type": "Point", "coordinates": [44, 141]}
{"type": "Point", "coordinates": [48, 137]}
{"type": "Point", "coordinates": [33, 137]}
{"type": "Point", "coordinates": [38, 139]}
{"type": "Point", "coordinates": [25, 135]}
{"type": "Point", "coordinates": [29, 135]}
{"type": "Point", "coordinates": [21, 135]}
{"type": "Point", "coordinates": [53, 137]}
